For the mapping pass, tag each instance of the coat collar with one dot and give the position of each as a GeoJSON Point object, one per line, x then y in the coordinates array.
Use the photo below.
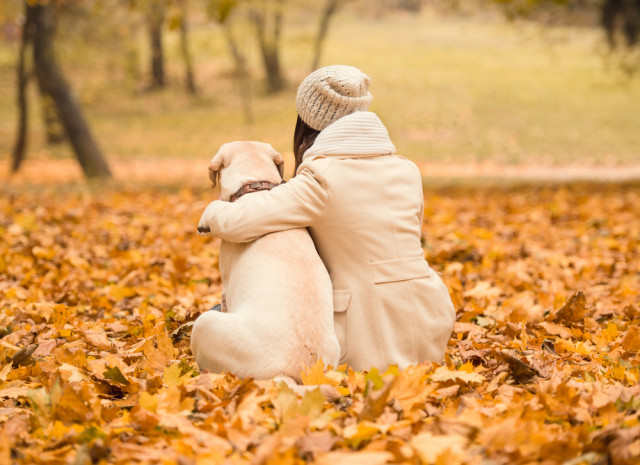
{"type": "Point", "coordinates": [360, 134]}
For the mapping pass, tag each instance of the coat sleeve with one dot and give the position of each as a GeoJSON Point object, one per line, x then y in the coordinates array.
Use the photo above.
{"type": "Point", "coordinates": [296, 204]}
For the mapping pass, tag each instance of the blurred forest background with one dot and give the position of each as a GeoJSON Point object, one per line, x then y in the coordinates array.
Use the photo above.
{"type": "Point", "coordinates": [166, 82]}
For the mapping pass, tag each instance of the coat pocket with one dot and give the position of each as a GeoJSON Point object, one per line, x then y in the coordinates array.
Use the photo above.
{"type": "Point", "coordinates": [397, 309]}
{"type": "Point", "coordinates": [400, 269]}
{"type": "Point", "coordinates": [341, 300]}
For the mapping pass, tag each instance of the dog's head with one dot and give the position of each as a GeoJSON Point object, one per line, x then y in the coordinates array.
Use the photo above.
{"type": "Point", "coordinates": [243, 162]}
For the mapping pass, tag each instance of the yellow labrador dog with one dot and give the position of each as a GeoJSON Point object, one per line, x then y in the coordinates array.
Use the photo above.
{"type": "Point", "coordinates": [277, 306]}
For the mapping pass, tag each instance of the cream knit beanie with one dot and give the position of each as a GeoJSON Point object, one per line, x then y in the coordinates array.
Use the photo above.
{"type": "Point", "coordinates": [330, 93]}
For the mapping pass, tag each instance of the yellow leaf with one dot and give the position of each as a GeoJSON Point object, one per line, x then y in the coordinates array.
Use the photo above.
{"type": "Point", "coordinates": [169, 401]}
{"type": "Point", "coordinates": [392, 370]}
{"type": "Point", "coordinates": [466, 367]}
{"type": "Point", "coordinates": [26, 221]}
{"type": "Point", "coordinates": [483, 289]}
{"type": "Point", "coordinates": [211, 457]}
{"type": "Point", "coordinates": [71, 374]}
{"type": "Point", "coordinates": [444, 374]}
{"type": "Point", "coordinates": [172, 376]}
{"type": "Point", "coordinates": [373, 376]}
{"type": "Point", "coordinates": [5, 449]}
{"type": "Point", "coordinates": [409, 388]}
{"type": "Point", "coordinates": [312, 404]}
{"type": "Point", "coordinates": [119, 293]}
{"type": "Point", "coordinates": [147, 401]}
{"type": "Point", "coordinates": [58, 430]}
{"type": "Point", "coordinates": [354, 458]}
{"type": "Point", "coordinates": [286, 402]}
{"type": "Point", "coordinates": [315, 375]}
{"type": "Point", "coordinates": [66, 333]}
{"type": "Point", "coordinates": [135, 256]}
{"type": "Point", "coordinates": [618, 372]}
{"type": "Point", "coordinates": [611, 332]}
{"type": "Point", "coordinates": [430, 448]}
{"type": "Point", "coordinates": [60, 316]}
{"type": "Point", "coordinates": [357, 433]}
{"type": "Point", "coordinates": [43, 253]}
{"type": "Point", "coordinates": [158, 351]}
{"type": "Point", "coordinates": [4, 372]}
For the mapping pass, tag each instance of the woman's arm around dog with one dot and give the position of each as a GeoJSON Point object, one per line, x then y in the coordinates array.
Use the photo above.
{"type": "Point", "coordinates": [296, 204]}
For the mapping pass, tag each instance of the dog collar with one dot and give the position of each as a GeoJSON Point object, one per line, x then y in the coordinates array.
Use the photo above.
{"type": "Point", "coordinates": [253, 187]}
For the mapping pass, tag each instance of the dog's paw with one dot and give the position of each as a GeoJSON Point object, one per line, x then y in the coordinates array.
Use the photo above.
{"type": "Point", "coordinates": [203, 229]}
{"type": "Point", "coordinates": [210, 212]}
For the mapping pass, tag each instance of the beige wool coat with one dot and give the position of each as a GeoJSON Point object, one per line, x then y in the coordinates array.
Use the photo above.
{"type": "Point", "coordinates": [364, 208]}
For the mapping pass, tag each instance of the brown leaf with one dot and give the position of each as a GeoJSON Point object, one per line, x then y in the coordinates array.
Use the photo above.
{"type": "Point", "coordinates": [317, 442]}
{"type": "Point", "coordinates": [45, 348]}
{"type": "Point", "coordinates": [555, 329]}
{"type": "Point", "coordinates": [14, 392]}
{"type": "Point", "coordinates": [97, 339]}
{"type": "Point", "coordinates": [521, 371]}
{"type": "Point", "coordinates": [158, 352]}
{"type": "Point", "coordinates": [114, 374]}
{"type": "Point", "coordinates": [375, 402]}
{"type": "Point", "coordinates": [574, 310]}
{"type": "Point", "coordinates": [23, 356]}
{"type": "Point", "coordinates": [79, 403]}
{"type": "Point", "coordinates": [144, 419]}
{"type": "Point", "coordinates": [16, 425]}
{"type": "Point", "coordinates": [128, 451]}
{"type": "Point", "coordinates": [619, 443]}
{"type": "Point", "coordinates": [631, 340]}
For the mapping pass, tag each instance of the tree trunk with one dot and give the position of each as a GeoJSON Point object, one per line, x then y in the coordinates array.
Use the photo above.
{"type": "Point", "coordinates": [623, 16]}
{"type": "Point", "coordinates": [20, 146]}
{"type": "Point", "coordinates": [184, 45]}
{"type": "Point", "coordinates": [54, 84]}
{"type": "Point", "coordinates": [632, 22]}
{"type": "Point", "coordinates": [52, 124]}
{"type": "Point", "coordinates": [609, 11]}
{"type": "Point", "coordinates": [330, 8]}
{"type": "Point", "coordinates": [156, 19]}
{"type": "Point", "coordinates": [271, 60]}
{"type": "Point", "coordinates": [414, 6]}
{"type": "Point", "coordinates": [269, 42]}
{"type": "Point", "coordinates": [241, 72]}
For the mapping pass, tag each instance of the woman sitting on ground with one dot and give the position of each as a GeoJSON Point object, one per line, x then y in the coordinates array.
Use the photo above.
{"type": "Point", "coordinates": [363, 205]}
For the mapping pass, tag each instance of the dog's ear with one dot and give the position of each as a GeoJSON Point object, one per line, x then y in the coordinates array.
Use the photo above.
{"type": "Point", "coordinates": [215, 166]}
{"type": "Point", "coordinates": [279, 161]}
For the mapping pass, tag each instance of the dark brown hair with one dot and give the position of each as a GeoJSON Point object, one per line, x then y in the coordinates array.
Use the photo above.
{"type": "Point", "coordinates": [303, 137]}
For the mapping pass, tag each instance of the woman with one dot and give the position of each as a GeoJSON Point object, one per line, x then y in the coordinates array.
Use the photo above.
{"type": "Point", "coordinates": [364, 208]}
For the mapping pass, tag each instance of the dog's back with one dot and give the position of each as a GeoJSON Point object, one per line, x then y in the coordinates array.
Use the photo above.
{"type": "Point", "coordinates": [279, 298]}
{"type": "Point", "coordinates": [280, 310]}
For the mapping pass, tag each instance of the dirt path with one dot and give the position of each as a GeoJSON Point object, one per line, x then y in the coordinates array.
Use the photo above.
{"type": "Point", "coordinates": [531, 172]}
{"type": "Point", "coordinates": [193, 173]}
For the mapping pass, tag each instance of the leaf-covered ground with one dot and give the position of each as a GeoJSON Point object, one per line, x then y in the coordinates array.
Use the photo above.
{"type": "Point", "coordinates": [98, 290]}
